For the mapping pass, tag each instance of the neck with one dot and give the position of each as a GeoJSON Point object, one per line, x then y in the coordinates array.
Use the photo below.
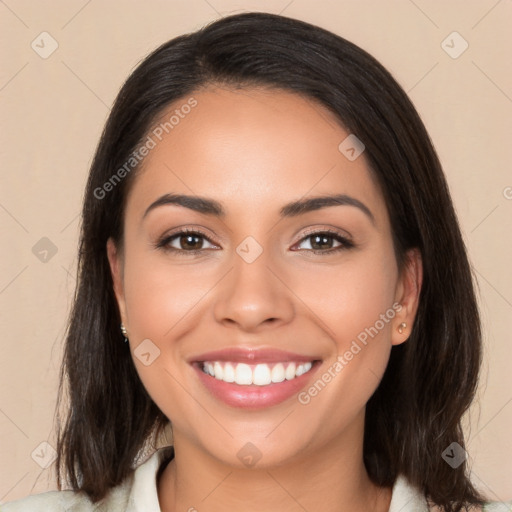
{"type": "Point", "coordinates": [330, 479]}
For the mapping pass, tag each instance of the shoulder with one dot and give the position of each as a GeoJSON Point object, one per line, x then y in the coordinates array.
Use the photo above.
{"type": "Point", "coordinates": [137, 493]}
{"type": "Point", "coordinates": [407, 497]}
{"type": "Point", "coordinates": [56, 501]}
{"type": "Point", "coordinates": [499, 506]}
{"type": "Point", "coordinates": [70, 501]}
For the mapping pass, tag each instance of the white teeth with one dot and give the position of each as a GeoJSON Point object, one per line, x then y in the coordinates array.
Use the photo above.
{"type": "Point", "coordinates": [278, 373]}
{"type": "Point", "coordinates": [290, 371]}
{"type": "Point", "coordinates": [229, 373]}
{"type": "Point", "coordinates": [243, 374]}
{"type": "Point", "coordinates": [259, 375]}
{"type": "Point", "coordinates": [302, 368]}
{"type": "Point", "coordinates": [218, 370]}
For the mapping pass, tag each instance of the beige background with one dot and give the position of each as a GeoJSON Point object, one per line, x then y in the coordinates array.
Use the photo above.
{"type": "Point", "coordinates": [53, 111]}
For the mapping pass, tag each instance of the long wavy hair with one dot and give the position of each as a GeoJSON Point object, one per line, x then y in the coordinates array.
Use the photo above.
{"type": "Point", "coordinates": [430, 381]}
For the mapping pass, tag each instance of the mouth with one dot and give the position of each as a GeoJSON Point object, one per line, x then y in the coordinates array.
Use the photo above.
{"type": "Point", "coordinates": [261, 374]}
{"type": "Point", "coordinates": [254, 379]}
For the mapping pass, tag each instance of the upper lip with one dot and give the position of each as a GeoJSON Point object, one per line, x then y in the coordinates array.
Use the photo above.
{"type": "Point", "coordinates": [251, 355]}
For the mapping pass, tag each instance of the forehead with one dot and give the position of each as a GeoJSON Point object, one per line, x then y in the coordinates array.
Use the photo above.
{"type": "Point", "coordinates": [250, 149]}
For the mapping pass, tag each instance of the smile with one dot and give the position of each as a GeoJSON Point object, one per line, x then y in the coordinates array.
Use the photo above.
{"type": "Point", "coordinates": [253, 378]}
{"type": "Point", "coordinates": [262, 374]}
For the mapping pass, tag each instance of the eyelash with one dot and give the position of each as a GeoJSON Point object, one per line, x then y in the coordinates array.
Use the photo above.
{"type": "Point", "coordinates": [164, 242]}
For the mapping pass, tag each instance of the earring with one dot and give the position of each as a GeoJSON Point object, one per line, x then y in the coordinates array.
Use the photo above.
{"type": "Point", "coordinates": [125, 333]}
{"type": "Point", "coordinates": [401, 327]}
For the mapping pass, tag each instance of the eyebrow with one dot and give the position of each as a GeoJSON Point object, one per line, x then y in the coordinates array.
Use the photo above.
{"type": "Point", "coordinates": [211, 207]}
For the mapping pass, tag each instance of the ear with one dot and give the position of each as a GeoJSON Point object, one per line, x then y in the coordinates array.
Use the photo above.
{"type": "Point", "coordinates": [407, 295]}
{"type": "Point", "coordinates": [115, 259]}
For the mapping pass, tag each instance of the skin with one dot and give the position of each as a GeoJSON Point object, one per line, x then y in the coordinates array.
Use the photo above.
{"type": "Point", "coordinates": [254, 150]}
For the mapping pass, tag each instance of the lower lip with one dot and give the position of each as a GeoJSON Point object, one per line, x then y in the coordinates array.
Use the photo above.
{"type": "Point", "coordinates": [253, 396]}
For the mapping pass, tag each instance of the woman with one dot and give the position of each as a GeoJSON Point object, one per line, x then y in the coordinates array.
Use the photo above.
{"type": "Point", "coordinates": [268, 229]}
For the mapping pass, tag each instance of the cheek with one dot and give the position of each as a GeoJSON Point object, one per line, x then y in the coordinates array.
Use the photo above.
{"type": "Point", "coordinates": [354, 302]}
{"type": "Point", "coordinates": [162, 298]}
{"type": "Point", "coordinates": [163, 304]}
{"type": "Point", "coordinates": [352, 296]}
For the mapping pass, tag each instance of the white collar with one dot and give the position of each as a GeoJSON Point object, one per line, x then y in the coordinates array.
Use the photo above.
{"type": "Point", "coordinates": [144, 495]}
{"type": "Point", "coordinates": [407, 498]}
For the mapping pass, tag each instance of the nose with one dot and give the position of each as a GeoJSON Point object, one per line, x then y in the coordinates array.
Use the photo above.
{"type": "Point", "coordinates": [253, 297]}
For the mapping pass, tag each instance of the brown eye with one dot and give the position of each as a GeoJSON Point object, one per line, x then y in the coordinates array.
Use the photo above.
{"type": "Point", "coordinates": [319, 242]}
{"type": "Point", "coordinates": [185, 241]}
{"type": "Point", "coordinates": [325, 242]}
{"type": "Point", "coordinates": [190, 241]}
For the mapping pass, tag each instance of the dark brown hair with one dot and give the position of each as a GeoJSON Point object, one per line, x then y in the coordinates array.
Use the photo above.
{"type": "Point", "coordinates": [430, 381]}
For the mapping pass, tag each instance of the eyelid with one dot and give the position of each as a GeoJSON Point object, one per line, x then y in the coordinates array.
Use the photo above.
{"type": "Point", "coordinates": [323, 229]}
{"type": "Point", "coordinates": [320, 230]}
{"type": "Point", "coordinates": [187, 229]}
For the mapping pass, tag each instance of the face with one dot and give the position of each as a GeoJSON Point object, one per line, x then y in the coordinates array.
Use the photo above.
{"type": "Point", "coordinates": [292, 304]}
